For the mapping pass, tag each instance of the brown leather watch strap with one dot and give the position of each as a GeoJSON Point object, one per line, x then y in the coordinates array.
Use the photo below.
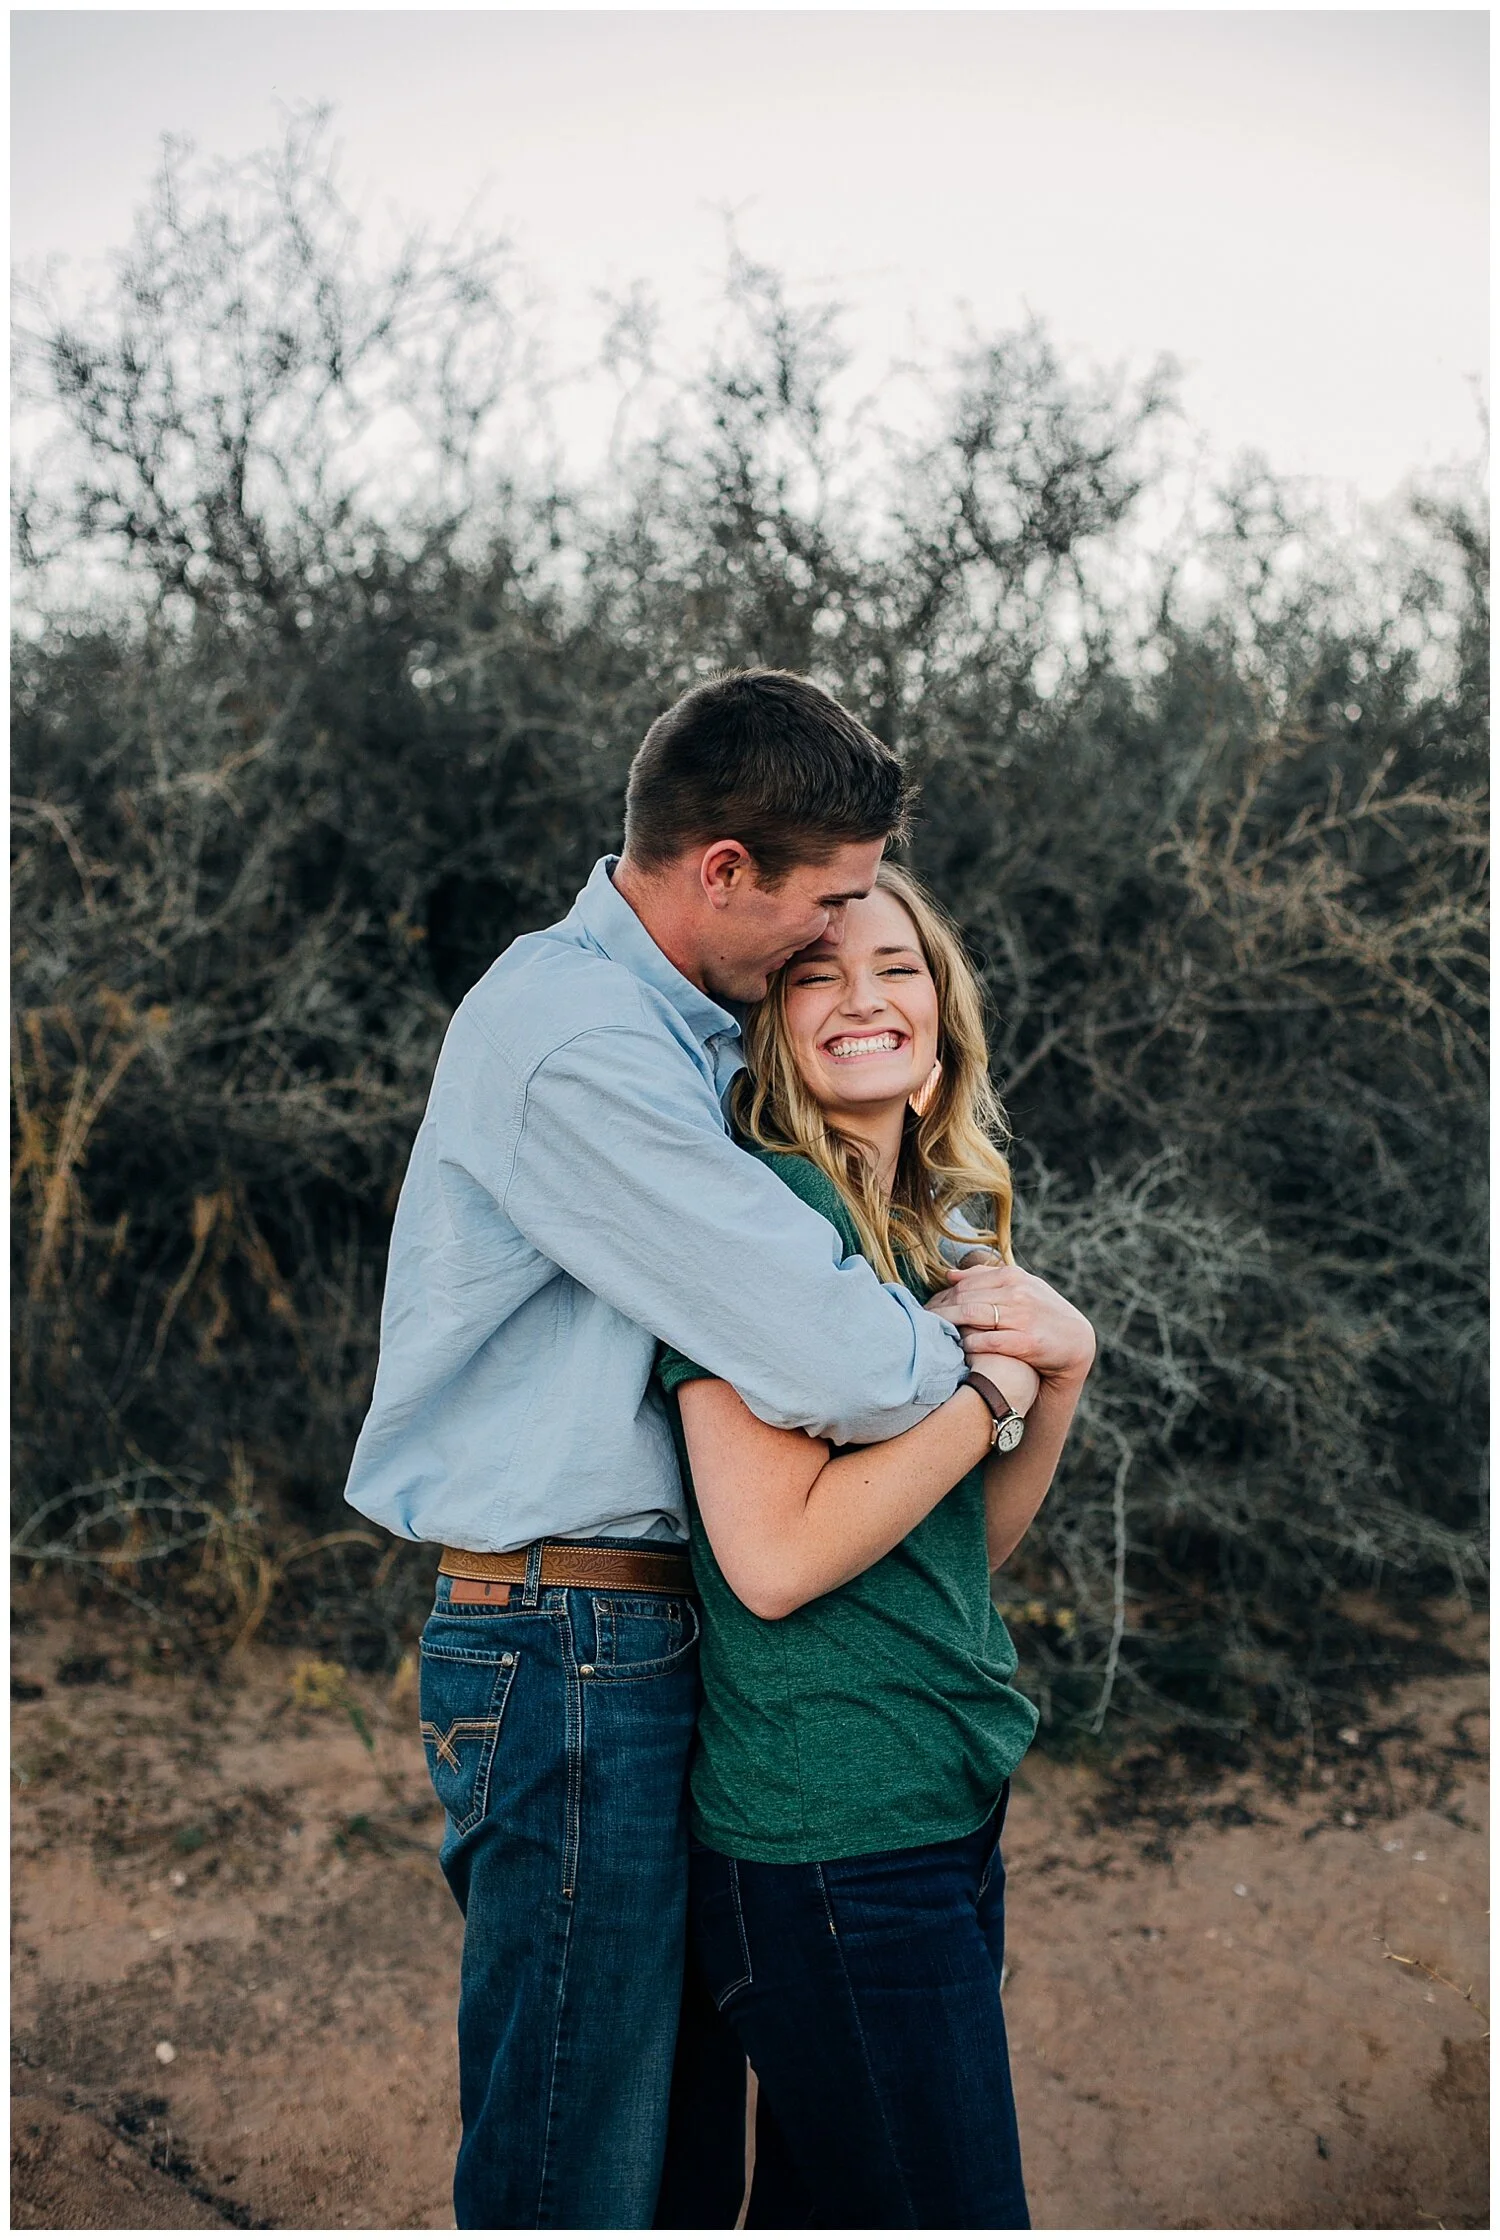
{"type": "Point", "coordinates": [567, 1563]}
{"type": "Point", "coordinates": [993, 1398]}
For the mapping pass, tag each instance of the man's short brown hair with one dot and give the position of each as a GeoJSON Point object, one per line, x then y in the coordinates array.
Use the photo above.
{"type": "Point", "coordinates": [766, 758]}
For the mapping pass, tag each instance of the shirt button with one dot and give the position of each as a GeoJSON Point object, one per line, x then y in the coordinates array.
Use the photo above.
{"type": "Point", "coordinates": [585, 1672]}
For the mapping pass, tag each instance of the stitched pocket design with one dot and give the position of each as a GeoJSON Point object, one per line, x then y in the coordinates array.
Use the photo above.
{"type": "Point", "coordinates": [463, 1702]}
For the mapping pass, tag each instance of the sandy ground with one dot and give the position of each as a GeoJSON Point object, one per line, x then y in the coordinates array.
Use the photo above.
{"type": "Point", "coordinates": [235, 1964]}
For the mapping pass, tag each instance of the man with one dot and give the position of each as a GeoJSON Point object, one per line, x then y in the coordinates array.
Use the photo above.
{"type": "Point", "coordinates": [574, 1195]}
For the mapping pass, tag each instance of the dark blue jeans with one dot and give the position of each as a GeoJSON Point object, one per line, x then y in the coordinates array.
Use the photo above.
{"type": "Point", "coordinates": [866, 1994]}
{"type": "Point", "coordinates": [557, 1732]}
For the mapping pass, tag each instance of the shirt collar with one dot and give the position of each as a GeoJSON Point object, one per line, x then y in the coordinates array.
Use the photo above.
{"type": "Point", "coordinates": [607, 920]}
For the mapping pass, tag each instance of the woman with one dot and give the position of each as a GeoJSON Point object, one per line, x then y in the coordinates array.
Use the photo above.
{"type": "Point", "coordinates": [858, 1728]}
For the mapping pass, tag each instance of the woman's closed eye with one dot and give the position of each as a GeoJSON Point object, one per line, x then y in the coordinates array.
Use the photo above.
{"type": "Point", "coordinates": [812, 979]}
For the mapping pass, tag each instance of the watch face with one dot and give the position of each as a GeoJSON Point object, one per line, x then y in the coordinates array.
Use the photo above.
{"type": "Point", "coordinates": [1008, 1434]}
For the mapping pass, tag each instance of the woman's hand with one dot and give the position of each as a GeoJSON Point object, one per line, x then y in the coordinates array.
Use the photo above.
{"type": "Point", "coordinates": [1004, 1310]}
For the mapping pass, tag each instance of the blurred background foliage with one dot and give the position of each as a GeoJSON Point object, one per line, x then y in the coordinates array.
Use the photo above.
{"type": "Point", "coordinates": [326, 683]}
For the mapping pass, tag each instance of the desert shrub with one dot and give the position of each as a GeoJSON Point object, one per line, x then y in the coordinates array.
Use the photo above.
{"type": "Point", "coordinates": [300, 742]}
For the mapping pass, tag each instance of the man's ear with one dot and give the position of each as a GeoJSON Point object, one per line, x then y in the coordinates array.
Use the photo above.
{"type": "Point", "coordinates": [725, 869]}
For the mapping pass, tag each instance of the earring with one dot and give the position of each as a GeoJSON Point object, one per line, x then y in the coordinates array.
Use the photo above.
{"type": "Point", "coordinates": [921, 1098]}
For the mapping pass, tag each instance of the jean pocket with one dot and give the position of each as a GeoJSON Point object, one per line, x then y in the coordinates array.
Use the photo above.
{"type": "Point", "coordinates": [718, 1924]}
{"type": "Point", "coordinates": [463, 1700]}
{"type": "Point", "coordinates": [638, 1637]}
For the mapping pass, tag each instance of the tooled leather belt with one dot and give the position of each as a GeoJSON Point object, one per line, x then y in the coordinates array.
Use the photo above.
{"type": "Point", "coordinates": [566, 1563]}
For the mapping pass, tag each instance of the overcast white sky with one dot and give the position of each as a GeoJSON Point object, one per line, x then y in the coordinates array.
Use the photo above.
{"type": "Point", "coordinates": [1293, 204]}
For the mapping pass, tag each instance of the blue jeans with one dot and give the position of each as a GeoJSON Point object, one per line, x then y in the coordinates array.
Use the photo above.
{"type": "Point", "coordinates": [866, 1994]}
{"type": "Point", "coordinates": [557, 1730]}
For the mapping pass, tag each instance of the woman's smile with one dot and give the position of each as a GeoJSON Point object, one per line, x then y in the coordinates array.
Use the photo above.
{"type": "Point", "coordinates": [842, 1047]}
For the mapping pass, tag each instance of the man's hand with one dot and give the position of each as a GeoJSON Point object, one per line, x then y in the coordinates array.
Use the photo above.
{"type": "Point", "coordinates": [1018, 1382]}
{"type": "Point", "coordinates": [1004, 1310]}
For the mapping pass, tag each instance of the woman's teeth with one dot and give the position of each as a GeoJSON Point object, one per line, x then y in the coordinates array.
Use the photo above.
{"type": "Point", "coordinates": [862, 1045]}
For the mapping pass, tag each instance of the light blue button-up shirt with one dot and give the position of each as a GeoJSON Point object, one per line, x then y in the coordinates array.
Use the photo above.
{"type": "Point", "coordinates": [573, 1195]}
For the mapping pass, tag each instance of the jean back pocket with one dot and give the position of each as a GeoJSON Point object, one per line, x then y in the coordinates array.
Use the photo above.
{"type": "Point", "coordinates": [464, 1694]}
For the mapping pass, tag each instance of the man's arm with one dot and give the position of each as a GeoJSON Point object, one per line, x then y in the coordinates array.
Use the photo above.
{"type": "Point", "coordinates": [964, 1245]}
{"type": "Point", "coordinates": [622, 1174]}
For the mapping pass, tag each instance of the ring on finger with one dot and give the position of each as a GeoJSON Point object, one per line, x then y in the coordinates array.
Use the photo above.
{"type": "Point", "coordinates": [995, 1314]}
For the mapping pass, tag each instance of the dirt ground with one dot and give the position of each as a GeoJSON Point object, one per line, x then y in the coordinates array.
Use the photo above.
{"type": "Point", "coordinates": [236, 1963]}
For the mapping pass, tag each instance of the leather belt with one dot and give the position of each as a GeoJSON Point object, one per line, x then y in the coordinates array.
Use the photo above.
{"type": "Point", "coordinates": [570, 1563]}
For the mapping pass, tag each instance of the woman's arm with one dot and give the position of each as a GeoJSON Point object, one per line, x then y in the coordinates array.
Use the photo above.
{"type": "Point", "coordinates": [788, 1523]}
{"type": "Point", "coordinates": [1018, 1314]}
{"type": "Point", "coordinates": [1016, 1484]}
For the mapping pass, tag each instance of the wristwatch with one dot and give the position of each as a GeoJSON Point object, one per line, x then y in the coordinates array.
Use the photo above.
{"type": "Point", "coordinates": [1009, 1427]}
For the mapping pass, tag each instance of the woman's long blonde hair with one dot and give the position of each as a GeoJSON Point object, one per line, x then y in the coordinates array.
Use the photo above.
{"type": "Point", "coordinates": [951, 1149]}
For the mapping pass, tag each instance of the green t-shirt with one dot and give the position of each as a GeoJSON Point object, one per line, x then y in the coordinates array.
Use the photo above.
{"type": "Point", "coordinates": [876, 1718]}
